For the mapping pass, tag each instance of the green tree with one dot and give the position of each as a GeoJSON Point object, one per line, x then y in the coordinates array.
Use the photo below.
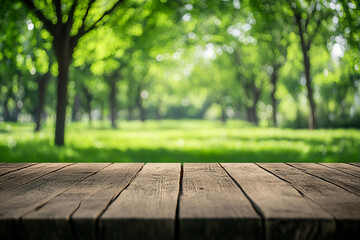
{"type": "Point", "coordinates": [67, 23]}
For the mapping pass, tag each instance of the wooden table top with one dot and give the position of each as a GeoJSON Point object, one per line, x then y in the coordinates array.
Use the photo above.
{"type": "Point", "coordinates": [171, 201]}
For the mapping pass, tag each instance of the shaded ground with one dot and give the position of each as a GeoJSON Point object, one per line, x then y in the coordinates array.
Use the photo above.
{"type": "Point", "coordinates": [178, 141]}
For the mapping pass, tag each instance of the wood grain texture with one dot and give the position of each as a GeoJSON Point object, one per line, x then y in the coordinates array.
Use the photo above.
{"type": "Point", "coordinates": [25, 175]}
{"type": "Point", "coordinates": [341, 179]}
{"type": "Point", "coordinates": [344, 167]}
{"type": "Point", "coordinates": [355, 164]}
{"type": "Point", "coordinates": [213, 207]}
{"type": "Point", "coordinates": [287, 214]}
{"type": "Point", "coordinates": [83, 203]}
{"type": "Point", "coordinates": [146, 208]}
{"type": "Point", "coordinates": [165, 201]}
{"type": "Point", "coordinates": [341, 204]}
{"type": "Point", "coordinates": [11, 167]}
{"type": "Point", "coordinates": [28, 197]}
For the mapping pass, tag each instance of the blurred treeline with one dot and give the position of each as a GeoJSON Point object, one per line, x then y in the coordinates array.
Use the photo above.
{"type": "Point", "coordinates": [288, 63]}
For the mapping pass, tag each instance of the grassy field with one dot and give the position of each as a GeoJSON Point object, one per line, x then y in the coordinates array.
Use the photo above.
{"type": "Point", "coordinates": [177, 141]}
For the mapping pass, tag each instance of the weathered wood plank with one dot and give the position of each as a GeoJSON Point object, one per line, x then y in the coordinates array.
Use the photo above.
{"type": "Point", "coordinates": [355, 164]}
{"type": "Point", "coordinates": [55, 206]}
{"type": "Point", "coordinates": [19, 201]}
{"type": "Point", "coordinates": [146, 208]}
{"type": "Point", "coordinates": [341, 204]}
{"type": "Point", "coordinates": [25, 175]}
{"type": "Point", "coordinates": [11, 167]}
{"type": "Point", "coordinates": [83, 203]}
{"type": "Point", "coordinates": [213, 207]}
{"type": "Point", "coordinates": [343, 167]}
{"type": "Point", "coordinates": [343, 180]}
{"type": "Point", "coordinates": [287, 214]}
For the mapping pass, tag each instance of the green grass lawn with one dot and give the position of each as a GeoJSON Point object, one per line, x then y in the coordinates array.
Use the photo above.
{"type": "Point", "coordinates": [177, 141]}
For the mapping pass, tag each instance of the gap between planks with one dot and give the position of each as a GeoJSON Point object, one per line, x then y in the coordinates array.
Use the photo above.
{"type": "Point", "coordinates": [344, 168]}
{"type": "Point", "coordinates": [342, 180]}
{"type": "Point", "coordinates": [7, 168]}
{"type": "Point", "coordinates": [24, 176]}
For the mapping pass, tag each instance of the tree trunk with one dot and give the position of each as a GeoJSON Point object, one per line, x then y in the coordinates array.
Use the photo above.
{"type": "Point", "coordinates": [305, 47]}
{"type": "Point", "coordinates": [15, 115]}
{"type": "Point", "coordinates": [251, 110]}
{"type": "Point", "coordinates": [223, 112]}
{"type": "Point", "coordinates": [223, 115]}
{"type": "Point", "coordinates": [42, 85]}
{"type": "Point", "coordinates": [7, 117]}
{"type": "Point", "coordinates": [63, 55]}
{"type": "Point", "coordinates": [113, 103]}
{"type": "Point", "coordinates": [142, 113]}
{"type": "Point", "coordinates": [255, 117]}
{"type": "Point", "coordinates": [101, 111]}
{"type": "Point", "coordinates": [10, 116]}
{"type": "Point", "coordinates": [254, 114]}
{"type": "Point", "coordinates": [274, 77]}
{"type": "Point", "coordinates": [158, 117]}
{"type": "Point", "coordinates": [88, 97]}
{"type": "Point", "coordinates": [139, 102]}
{"type": "Point", "coordinates": [312, 118]}
{"type": "Point", "coordinates": [251, 114]}
{"type": "Point", "coordinates": [75, 108]}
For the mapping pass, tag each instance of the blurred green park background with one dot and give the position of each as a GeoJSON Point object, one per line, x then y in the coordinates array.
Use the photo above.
{"type": "Point", "coordinates": [179, 81]}
{"type": "Point", "coordinates": [178, 141]}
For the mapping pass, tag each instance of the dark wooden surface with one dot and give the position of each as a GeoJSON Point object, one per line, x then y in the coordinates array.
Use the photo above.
{"type": "Point", "coordinates": [211, 206]}
{"type": "Point", "coordinates": [170, 201]}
